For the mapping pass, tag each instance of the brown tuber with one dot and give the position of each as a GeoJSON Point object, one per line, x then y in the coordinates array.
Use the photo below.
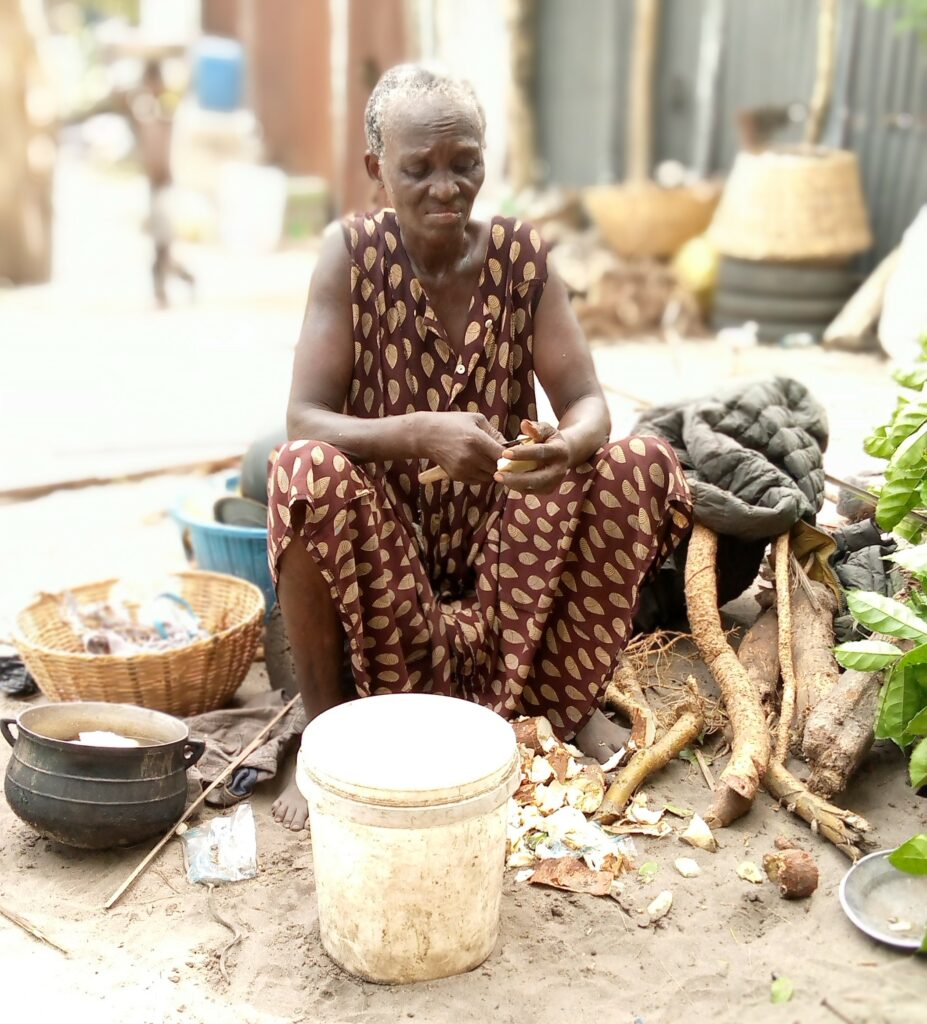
{"type": "Point", "coordinates": [794, 870]}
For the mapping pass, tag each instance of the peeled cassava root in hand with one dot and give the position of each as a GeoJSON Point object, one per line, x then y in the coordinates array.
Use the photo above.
{"type": "Point", "coordinates": [750, 745]}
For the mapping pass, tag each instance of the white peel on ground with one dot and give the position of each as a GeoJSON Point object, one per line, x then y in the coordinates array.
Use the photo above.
{"type": "Point", "coordinates": [640, 813]}
{"type": "Point", "coordinates": [900, 926]}
{"type": "Point", "coordinates": [550, 798]}
{"type": "Point", "coordinates": [687, 867]}
{"type": "Point", "coordinates": [524, 875]}
{"type": "Point", "coordinates": [699, 834]}
{"type": "Point", "coordinates": [573, 768]}
{"type": "Point", "coordinates": [612, 763]}
{"type": "Point", "coordinates": [541, 770]}
{"type": "Point", "coordinates": [749, 872]}
{"type": "Point", "coordinates": [660, 906]}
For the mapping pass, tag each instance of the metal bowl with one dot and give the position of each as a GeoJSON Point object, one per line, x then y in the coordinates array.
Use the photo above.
{"type": "Point", "coordinates": [874, 895]}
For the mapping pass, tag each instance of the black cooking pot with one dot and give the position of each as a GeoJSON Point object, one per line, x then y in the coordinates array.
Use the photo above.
{"type": "Point", "coordinates": [96, 797]}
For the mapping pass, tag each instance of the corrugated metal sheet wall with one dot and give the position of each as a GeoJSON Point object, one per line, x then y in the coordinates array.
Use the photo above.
{"type": "Point", "coordinates": [768, 60]}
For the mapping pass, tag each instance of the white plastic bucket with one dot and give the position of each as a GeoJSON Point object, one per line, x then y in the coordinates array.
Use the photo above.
{"type": "Point", "coordinates": [407, 800]}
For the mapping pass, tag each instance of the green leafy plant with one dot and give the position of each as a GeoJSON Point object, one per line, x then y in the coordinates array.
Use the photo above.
{"type": "Point", "coordinates": [911, 857]}
{"type": "Point", "coordinates": [903, 707]}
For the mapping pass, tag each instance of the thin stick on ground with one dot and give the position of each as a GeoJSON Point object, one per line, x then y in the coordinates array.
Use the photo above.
{"type": "Point", "coordinates": [705, 770]}
{"type": "Point", "coordinates": [750, 746]}
{"type": "Point", "coordinates": [199, 801]}
{"type": "Point", "coordinates": [786, 665]}
{"type": "Point", "coordinates": [31, 929]}
{"type": "Point", "coordinates": [645, 762]}
{"type": "Point", "coordinates": [237, 934]}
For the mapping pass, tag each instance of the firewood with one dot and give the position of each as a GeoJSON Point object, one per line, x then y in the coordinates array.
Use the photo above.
{"type": "Point", "coordinates": [750, 745]}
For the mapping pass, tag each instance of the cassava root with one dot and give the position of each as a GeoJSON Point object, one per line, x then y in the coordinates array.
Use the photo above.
{"type": "Point", "coordinates": [750, 751]}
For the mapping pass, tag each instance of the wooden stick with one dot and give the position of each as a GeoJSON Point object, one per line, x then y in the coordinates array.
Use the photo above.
{"type": "Point", "coordinates": [198, 802]}
{"type": "Point", "coordinates": [31, 929]}
{"type": "Point", "coordinates": [706, 771]}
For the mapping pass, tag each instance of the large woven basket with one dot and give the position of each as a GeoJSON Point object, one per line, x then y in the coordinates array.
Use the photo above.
{"type": "Point", "coordinates": [642, 219]}
{"type": "Point", "coordinates": [186, 681]}
{"type": "Point", "coordinates": [803, 203]}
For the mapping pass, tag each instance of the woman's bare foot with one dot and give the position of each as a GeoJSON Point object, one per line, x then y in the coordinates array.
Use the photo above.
{"type": "Point", "coordinates": [290, 808]}
{"type": "Point", "coordinates": [600, 737]}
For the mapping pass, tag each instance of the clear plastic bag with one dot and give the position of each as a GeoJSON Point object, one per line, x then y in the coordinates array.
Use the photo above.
{"type": "Point", "coordinates": [223, 850]}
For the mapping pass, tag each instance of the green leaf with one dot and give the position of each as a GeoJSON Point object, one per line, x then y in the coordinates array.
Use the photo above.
{"type": "Point", "coordinates": [648, 870]}
{"type": "Point", "coordinates": [886, 615]}
{"type": "Point", "coordinates": [878, 445]}
{"type": "Point", "coordinates": [913, 559]}
{"type": "Point", "coordinates": [904, 697]}
{"type": "Point", "coordinates": [900, 494]}
{"type": "Point", "coordinates": [867, 655]}
{"type": "Point", "coordinates": [911, 857]}
{"type": "Point", "coordinates": [781, 990]}
{"type": "Point", "coordinates": [910, 453]}
{"type": "Point", "coordinates": [911, 377]}
{"type": "Point", "coordinates": [918, 724]}
{"type": "Point", "coordinates": [680, 812]}
{"type": "Point", "coordinates": [917, 769]}
{"type": "Point", "coordinates": [906, 420]}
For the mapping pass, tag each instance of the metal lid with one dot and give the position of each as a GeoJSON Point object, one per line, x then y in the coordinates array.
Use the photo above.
{"type": "Point", "coordinates": [408, 750]}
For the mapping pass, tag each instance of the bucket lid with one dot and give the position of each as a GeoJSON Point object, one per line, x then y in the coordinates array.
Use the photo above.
{"type": "Point", "coordinates": [408, 750]}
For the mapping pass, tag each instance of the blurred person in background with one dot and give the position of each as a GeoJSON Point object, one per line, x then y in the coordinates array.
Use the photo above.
{"type": "Point", "coordinates": [149, 110]}
{"type": "Point", "coordinates": [423, 335]}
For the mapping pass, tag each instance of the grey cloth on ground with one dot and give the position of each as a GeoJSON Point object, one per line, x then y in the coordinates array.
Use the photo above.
{"type": "Point", "coordinates": [753, 455]}
{"type": "Point", "coordinates": [228, 731]}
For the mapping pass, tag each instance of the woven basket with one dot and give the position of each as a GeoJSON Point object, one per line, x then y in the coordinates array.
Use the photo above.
{"type": "Point", "coordinates": [803, 203]}
{"type": "Point", "coordinates": [186, 681]}
{"type": "Point", "coordinates": [642, 219]}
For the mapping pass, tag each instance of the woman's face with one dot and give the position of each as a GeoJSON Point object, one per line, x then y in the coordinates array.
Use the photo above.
{"type": "Point", "coordinates": [432, 166]}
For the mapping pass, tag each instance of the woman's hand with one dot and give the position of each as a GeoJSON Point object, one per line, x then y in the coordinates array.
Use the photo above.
{"type": "Point", "coordinates": [549, 452]}
{"type": "Point", "coordinates": [464, 444]}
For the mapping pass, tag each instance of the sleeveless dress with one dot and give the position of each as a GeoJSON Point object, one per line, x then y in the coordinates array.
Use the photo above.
{"type": "Point", "coordinates": [520, 602]}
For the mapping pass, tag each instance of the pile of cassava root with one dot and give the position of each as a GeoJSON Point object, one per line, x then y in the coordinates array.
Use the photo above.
{"type": "Point", "coordinates": [784, 695]}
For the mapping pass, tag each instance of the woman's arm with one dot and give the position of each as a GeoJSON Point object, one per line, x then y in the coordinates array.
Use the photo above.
{"type": "Point", "coordinates": [563, 365]}
{"type": "Point", "coordinates": [463, 443]}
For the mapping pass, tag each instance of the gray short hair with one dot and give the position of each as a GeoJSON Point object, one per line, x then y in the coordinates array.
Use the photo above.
{"type": "Point", "coordinates": [409, 82]}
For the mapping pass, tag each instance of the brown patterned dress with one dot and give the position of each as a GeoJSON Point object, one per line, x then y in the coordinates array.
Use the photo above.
{"type": "Point", "coordinates": [520, 602]}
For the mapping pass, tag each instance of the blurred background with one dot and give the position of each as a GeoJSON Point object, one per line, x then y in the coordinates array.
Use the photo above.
{"type": "Point", "coordinates": [167, 167]}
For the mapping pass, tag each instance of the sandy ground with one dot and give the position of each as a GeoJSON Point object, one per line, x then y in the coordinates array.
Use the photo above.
{"type": "Point", "coordinates": [214, 375]}
{"type": "Point", "coordinates": [154, 958]}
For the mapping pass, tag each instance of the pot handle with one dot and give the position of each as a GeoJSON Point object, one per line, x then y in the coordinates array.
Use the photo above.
{"type": "Point", "coordinates": [5, 724]}
{"type": "Point", "coordinates": [192, 752]}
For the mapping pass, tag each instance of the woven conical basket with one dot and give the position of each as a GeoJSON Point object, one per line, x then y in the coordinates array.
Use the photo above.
{"type": "Point", "coordinates": [792, 204]}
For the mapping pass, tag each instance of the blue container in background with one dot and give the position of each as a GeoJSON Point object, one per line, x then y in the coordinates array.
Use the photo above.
{"type": "Point", "coordinates": [219, 72]}
{"type": "Point", "coordinates": [237, 550]}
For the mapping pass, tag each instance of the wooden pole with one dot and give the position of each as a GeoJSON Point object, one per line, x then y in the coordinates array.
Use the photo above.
{"type": "Point", "coordinates": [640, 116]}
{"type": "Point", "coordinates": [521, 17]}
{"type": "Point", "coordinates": [824, 75]}
{"type": "Point", "coordinates": [198, 802]}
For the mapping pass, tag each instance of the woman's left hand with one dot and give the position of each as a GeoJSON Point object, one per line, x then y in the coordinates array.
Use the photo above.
{"type": "Point", "coordinates": [550, 453]}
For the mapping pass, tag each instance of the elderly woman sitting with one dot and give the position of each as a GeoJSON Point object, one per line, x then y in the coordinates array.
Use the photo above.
{"type": "Point", "coordinates": [424, 332]}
